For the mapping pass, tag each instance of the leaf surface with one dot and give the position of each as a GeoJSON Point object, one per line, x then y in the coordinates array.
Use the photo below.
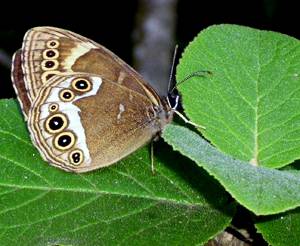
{"type": "Point", "coordinates": [120, 205]}
{"type": "Point", "coordinates": [250, 103]}
{"type": "Point", "coordinates": [262, 190]}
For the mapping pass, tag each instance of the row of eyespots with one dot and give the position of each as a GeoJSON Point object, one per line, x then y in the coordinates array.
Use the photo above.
{"type": "Point", "coordinates": [50, 62]}
{"type": "Point", "coordinates": [79, 85]}
{"type": "Point", "coordinates": [62, 140]}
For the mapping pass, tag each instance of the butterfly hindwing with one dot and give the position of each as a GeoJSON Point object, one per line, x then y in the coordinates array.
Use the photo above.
{"type": "Point", "coordinates": [78, 126]}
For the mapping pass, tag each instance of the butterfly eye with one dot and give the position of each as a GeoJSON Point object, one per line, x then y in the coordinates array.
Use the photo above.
{"type": "Point", "coordinates": [76, 157]}
{"type": "Point", "coordinates": [50, 54]}
{"type": "Point", "coordinates": [49, 65]}
{"type": "Point", "coordinates": [66, 95]}
{"type": "Point", "coordinates": [82, 85]}
{"type": "Point", "coordinates": [53, 107]}
{"type": "Point", "coordinates": [64, 140]}
{"type": "Point", "coordinates": [52, 44]}
{"type": "Point", "coordinates": [56, 123]}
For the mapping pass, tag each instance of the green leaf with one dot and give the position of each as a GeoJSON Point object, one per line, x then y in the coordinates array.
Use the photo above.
{"type": "Point", "coordinates": [250, 103]}
{"type": "Point", "coordinates": [281, 229]}
{"type": "Point", "coordinates": [262, 190]}
{"type": "Point", "coordinates": [122, 204]}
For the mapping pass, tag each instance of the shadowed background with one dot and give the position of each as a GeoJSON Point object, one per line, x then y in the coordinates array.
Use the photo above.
{"type": "Point", "coordinates": [143, 33]}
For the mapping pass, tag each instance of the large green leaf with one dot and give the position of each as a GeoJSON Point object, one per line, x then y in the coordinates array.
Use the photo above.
{"type": "Point", "coordinates": [262, 190]}
{"type": "Point", "coordinates": [123, 204]}
{"type": "Point", "coordinates": [250, 104]}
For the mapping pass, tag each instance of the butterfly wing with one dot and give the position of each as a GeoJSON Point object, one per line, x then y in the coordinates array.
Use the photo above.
{"type": "Point", "coordinates": [81, 122]}
{"type": "Point", "coordinates": [48, 51]}
{"type": "Point", "coordinates": [81, 129]}
{"type": "Point", "coordinates": [17, 76]}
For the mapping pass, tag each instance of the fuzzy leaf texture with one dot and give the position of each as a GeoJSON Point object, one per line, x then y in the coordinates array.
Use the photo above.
{"type": "Point", "coordinates": [120, 205]}
{"type": "Point", "coordinates": [262, 190]}
{"type": "Point", "coordinates": [281, 229]}
{"type": "Point", "coordinates": [249, 104]}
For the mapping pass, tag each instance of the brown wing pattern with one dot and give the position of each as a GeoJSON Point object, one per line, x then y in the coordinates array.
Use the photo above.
{"type": "Point", "coordinates": [107, 123]}
{"type": "Point", "coordinates": [17, 78]}
{"type": "Point", "coordinates": [48, 51]}
{"type": "Point", "coordinates": [82, 126]}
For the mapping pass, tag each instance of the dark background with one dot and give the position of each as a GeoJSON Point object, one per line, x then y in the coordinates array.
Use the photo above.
{"type": "Point", "coordinates": [110, 23]}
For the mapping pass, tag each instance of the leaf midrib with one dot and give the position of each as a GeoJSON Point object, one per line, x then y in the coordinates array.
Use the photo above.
{"type": "Point", "coordinates": [254, 160]}
{"type": "Point", "coordinates": [96, 191]}
{"type": "Point", "coordinates": [102, 192]}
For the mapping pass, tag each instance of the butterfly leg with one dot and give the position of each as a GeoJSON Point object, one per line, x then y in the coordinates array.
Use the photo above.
{"type": "Point", "coordinates": [188, 121]}
{"type": "Point", "coordinates": [182, 116]}
{"type": "Point", "coordinates": [152, 158]}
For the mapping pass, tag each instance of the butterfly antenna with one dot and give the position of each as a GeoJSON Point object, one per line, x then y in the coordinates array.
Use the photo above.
{"type": "Point", "coordinates": [200, 73]}
{"type": "Point", "coordinates": [172, 67]}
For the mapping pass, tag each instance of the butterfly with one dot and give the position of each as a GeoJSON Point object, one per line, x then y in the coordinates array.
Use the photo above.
{"type": "Point", "coordinates": [85, 108]}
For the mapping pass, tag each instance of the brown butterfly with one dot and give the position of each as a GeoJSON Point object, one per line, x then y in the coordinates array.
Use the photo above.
{"type": "Point", "coordinates": [84, 106]}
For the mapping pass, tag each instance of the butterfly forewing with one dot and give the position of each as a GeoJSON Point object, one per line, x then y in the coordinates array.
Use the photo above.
{"type": "Point", "coordinates": [48, 51]}
{"type": "Point", "coordinates": [19, 83]}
